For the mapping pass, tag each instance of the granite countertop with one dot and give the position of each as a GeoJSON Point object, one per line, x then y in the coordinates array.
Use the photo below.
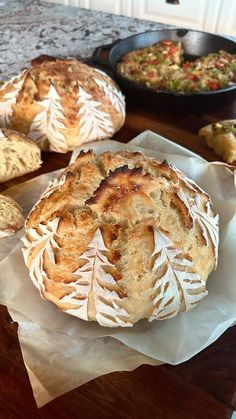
{"type": "Point", "coordinates": [29, 28]}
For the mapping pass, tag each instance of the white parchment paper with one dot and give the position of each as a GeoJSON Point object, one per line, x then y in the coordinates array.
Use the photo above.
{"type": "Point", "coordinates": [62, 352]}
{"type": "Point", "coordinates": [25, 194]}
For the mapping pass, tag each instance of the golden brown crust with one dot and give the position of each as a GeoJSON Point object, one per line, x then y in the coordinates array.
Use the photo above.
{"type": "Point", "coordinates": [19, 155]}
{"type": "Point", "coordinates": [62, 103]}
{"type": "Point", "coordinates": [11, 216]}
{"type": "Point", "coordinates": [110, 232]}
{"type": "Point", "coordinates": [221, 136]}
{"type": "Point", "coordinates": [19, 136]}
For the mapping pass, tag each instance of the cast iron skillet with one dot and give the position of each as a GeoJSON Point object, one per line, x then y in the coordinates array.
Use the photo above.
{"type": "Point", "coordinates": [195, 44]}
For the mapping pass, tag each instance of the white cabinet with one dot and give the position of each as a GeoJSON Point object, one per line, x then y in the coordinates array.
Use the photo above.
{"type": "Point", "coordinates": [227, 17]}
{"type": "Point", "coordinates": [195, 14]}
{"type": "Point", "coordinates": [119, 7]}
{"type": "Point", "coordinates": [217, 16]}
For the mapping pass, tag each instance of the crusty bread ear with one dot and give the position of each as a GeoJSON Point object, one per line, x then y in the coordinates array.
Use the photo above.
{"type": "Point", "coordinates": [19, 155]}
{"type": "Point", "coordinates": [11, 216]}
{"type": "Point", "coordinates": [41, 59]}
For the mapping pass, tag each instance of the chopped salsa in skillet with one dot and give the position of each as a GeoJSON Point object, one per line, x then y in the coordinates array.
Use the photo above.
{"type": "Point", "coordinates": [162, 67]}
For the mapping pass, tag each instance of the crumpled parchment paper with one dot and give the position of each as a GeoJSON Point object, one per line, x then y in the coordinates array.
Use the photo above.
{"type": "Point", "coordinates": [62, 352]}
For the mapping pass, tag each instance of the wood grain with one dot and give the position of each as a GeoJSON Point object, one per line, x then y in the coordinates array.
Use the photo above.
{"type": "Point", "coordinates": [214, 369]}
{"type": "Point", "coordinates": [202, 388]}
{"type": "Point", "coordinates": [146, 392]}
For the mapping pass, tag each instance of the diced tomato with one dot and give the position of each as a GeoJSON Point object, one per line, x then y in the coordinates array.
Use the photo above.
{"type": "Point", "coordinates": [172, 49]}
{"type": "Point", "coordinates": [161, 84]}
{"type": "Point", "coordinates": [187, 64]}
{"type": "Point", "coordinates": [213, 85]}
{"type": "Point", "coordinates": [219, 65]}
{"type": "Point", "coordinates": [152, 62]}
{"type": "Point", "coordinates": [167, 43]}
{"type": "Point", "coordinates": [193, 77]}
{"type": "Point", "coordinates": [151, 73]}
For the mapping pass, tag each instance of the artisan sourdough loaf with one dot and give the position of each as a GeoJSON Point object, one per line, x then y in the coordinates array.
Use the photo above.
{"type": "Point", "coordinates": [120, 237]}
{"type": "Point", "coordinates": [62, 103]}
{"type": "Point", "coordinates": [18, 155]}
{"type": "Point", "coordinates": [11, 216]}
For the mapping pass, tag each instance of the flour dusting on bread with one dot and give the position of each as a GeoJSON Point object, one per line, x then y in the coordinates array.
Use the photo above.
{"type": "Point", "coordinates": [121, 237]}
{"type": "Point", "coordinates": [62, 103]}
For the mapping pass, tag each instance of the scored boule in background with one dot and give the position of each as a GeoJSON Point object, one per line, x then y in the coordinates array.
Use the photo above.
{"type": "Point", "coordinates": [62, 103]}
{"type": "Point", "coordinates": [121, 237]}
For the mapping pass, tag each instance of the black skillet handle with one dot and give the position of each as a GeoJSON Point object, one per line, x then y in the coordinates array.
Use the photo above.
{"type": "Point", "coordinates": [103, 51]}
{"type": "Point", "coordinates": [182, 32]}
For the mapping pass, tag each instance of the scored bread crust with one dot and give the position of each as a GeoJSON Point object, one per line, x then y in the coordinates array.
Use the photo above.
{"type": "Point", "coordinates": [120, 237]}
{"type": "Point", "coordinates": [224, 144]}
{"type": "Point", "coordinates": [11, 216]}
{"type": "Point", "coordinates": [62, 103]}
{"type": "Point", "coordinates": [19, 155]}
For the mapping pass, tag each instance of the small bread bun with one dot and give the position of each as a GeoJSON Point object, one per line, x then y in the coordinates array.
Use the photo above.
{"type": "Point", "coordinates": [221, 136]}
{"type": "Point", "coordinates": [11, 216]}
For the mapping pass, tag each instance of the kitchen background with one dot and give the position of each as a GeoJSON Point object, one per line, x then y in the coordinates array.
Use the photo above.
{"type": "Point", "coordinates": [217, 16]}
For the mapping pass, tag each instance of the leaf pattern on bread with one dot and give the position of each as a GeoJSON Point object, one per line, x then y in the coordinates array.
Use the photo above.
{"type": "Point", "coordinates": [178, 286]}
{"type": "Point", "coordinates": [96, 278]}
{"type": "Point", "coordinates": [196, 210]}
{"type": "Point", "coordinates": [10, 97]}
{"type": "Point", "coordinates": [44, 237]}
{"type": "Point", "coordinates": [47, 125]}
{"type": "Point", "coordinates": [206, 220]}
{"type": "Point", "coordinates": [53, 186]}
{"type": "Point", "coordinates": [62, 103]}
{"type": "Point", "coordinates": [93, 121]}
{"type": "Point", "coordinates": [113, 94]}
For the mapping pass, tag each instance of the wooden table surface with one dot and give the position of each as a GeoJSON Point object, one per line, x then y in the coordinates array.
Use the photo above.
{"type": "Point", "coordinates": [202, 388]}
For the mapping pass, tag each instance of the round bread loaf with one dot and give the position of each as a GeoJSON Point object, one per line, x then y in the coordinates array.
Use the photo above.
{"type": "Point", "coordinates": [11, 216]}
{"type": "Point", "coordinates": [120, 237]}
{"type": "Point", "coordinates": [62, 104]}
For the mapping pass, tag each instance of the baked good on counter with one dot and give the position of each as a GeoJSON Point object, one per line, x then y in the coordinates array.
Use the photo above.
{"type": "Point", "coordinates": [221, 136]}
{"type": "Point", "coordinates": [11, 216]}
{"type": "Point", "coordinates": [62, 103]}
{"type": "Point", "coordinates": [19, 155]}
{"type": "Point", "coordinates": [120, 237]}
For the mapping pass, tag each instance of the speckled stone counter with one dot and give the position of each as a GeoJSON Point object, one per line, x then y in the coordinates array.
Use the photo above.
{"type": "Point", "coordinates": [29, 28]}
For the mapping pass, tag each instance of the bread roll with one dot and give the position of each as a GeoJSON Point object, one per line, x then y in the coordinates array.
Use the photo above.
{"type": "Point", "coordinates": [121, 237]}
{"type": "Point", "coordinates": [11, 216]}
{"type": "Point", "coordinates": [18, 155]}
{"type": "Point", "coordinates": [62, 104]}
{"type": "Point", "coordinates": [221, 136]}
